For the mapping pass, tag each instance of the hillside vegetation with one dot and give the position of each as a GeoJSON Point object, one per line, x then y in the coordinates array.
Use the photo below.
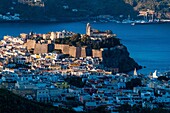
{"type": "Point", "coordinates": [88, 7]}
{"type": "Point", "coordinates": [69, 10]}
{"type": "Point", "coordinates": [77, 41]}
{"type": "Point", "coordinates": [11, 103]}
{"type": "Point", "coordinates": [162, 7]}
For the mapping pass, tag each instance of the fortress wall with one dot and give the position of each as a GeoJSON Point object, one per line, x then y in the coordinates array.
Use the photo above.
{"type": "Point", "coordinates": [63, 47]}
{"type": "Point", "coordinates": [30, 44]}
{"type": "Point", "coordinates": [75, 51]}
{"type": "Point", "coordinates": [66, 49]}
{"type": "Point", "coordinates": [58, 46]}
{"type": "Point", "coordinates": [72, 51]}
{"type": "Point", "coordinates": [97, 53]}
{"type": "Point", "coordinates": [83, 51]}
{"type": "Point", "coordinates": [78, 52]}
{"type": "Point", "coordinates": [41, 48]}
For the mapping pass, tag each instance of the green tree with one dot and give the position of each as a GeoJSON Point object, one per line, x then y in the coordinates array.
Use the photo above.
{"type": "Point", "coordinates": [133, 83]}
{"type": "Point", "coordinates": [75, 37]}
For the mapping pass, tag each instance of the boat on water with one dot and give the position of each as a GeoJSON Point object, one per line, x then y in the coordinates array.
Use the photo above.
{"type": "Point", "coordinates": [132, 23]}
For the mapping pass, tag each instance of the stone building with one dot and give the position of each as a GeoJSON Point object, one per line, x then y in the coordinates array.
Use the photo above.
{"type": "Point", "coordinates": [96, 33]}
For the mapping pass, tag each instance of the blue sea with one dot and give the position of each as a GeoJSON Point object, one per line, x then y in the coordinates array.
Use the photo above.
{"type": "Point", "coordinates": [148, 44]}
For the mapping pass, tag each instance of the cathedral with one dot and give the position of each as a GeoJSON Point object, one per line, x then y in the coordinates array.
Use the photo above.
{"type": "Point", "coordinates": [96, 33]}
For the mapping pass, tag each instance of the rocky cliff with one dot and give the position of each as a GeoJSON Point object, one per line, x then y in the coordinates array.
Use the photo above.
{"type": "Point", "coordinates": [118, 57]}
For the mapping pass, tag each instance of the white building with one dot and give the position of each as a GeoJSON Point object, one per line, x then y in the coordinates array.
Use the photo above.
{"type": "Point", "coordinates": [53, 36]}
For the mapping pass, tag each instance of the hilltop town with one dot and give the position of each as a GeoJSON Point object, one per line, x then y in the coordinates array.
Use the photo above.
{"type": "Point", "coordinates": [58, 68]}
{"type": "Point", "coordinates": [96, 44]}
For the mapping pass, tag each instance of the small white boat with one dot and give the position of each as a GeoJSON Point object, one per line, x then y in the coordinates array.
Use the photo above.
{"type": "Point", "coordinates": [133, 24]}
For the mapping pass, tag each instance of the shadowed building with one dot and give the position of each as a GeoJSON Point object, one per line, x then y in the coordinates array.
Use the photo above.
{"type": "Point", "coordinates": [86, 51]}
{"type": "Point", "coordinates": [50, 47]}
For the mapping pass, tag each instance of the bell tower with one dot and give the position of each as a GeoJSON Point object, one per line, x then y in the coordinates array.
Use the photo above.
{"type": "Point", "coordinates": [88, 29]}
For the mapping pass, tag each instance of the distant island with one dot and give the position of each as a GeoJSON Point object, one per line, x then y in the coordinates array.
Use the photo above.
{"type": "Point", "coordinates": [66, 11]}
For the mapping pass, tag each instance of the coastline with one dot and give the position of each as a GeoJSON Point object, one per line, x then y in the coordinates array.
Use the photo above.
{"type": "Point", "coordinates": [124, 31]}
{"type": "Point", "coordinates": [32, 21]}
{"type": "Point", "coordinates": [77, 20]}
{"type": "Point", "coordinates": [60, 20]}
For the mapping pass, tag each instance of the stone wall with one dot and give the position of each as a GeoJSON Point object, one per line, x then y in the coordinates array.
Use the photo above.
{"type": "Point", "coordinates": [96, 53]}
{"type": "Point", "coordinates": [41, 48]}
{"type": "Point", "coordinates": [63, 47]}
{"type": "Point", "coordinates": [30, 44]}
{"type": "Point", "coordinates": [83, 52]}
{"type": "Point", "coordinates": [75, 51]}
{"type": "Point", "coordinates": [116, 57]}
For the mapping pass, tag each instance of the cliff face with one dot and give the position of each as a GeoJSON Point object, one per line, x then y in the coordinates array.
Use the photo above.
{"type": "Point", "coordinates": [118, 57]}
